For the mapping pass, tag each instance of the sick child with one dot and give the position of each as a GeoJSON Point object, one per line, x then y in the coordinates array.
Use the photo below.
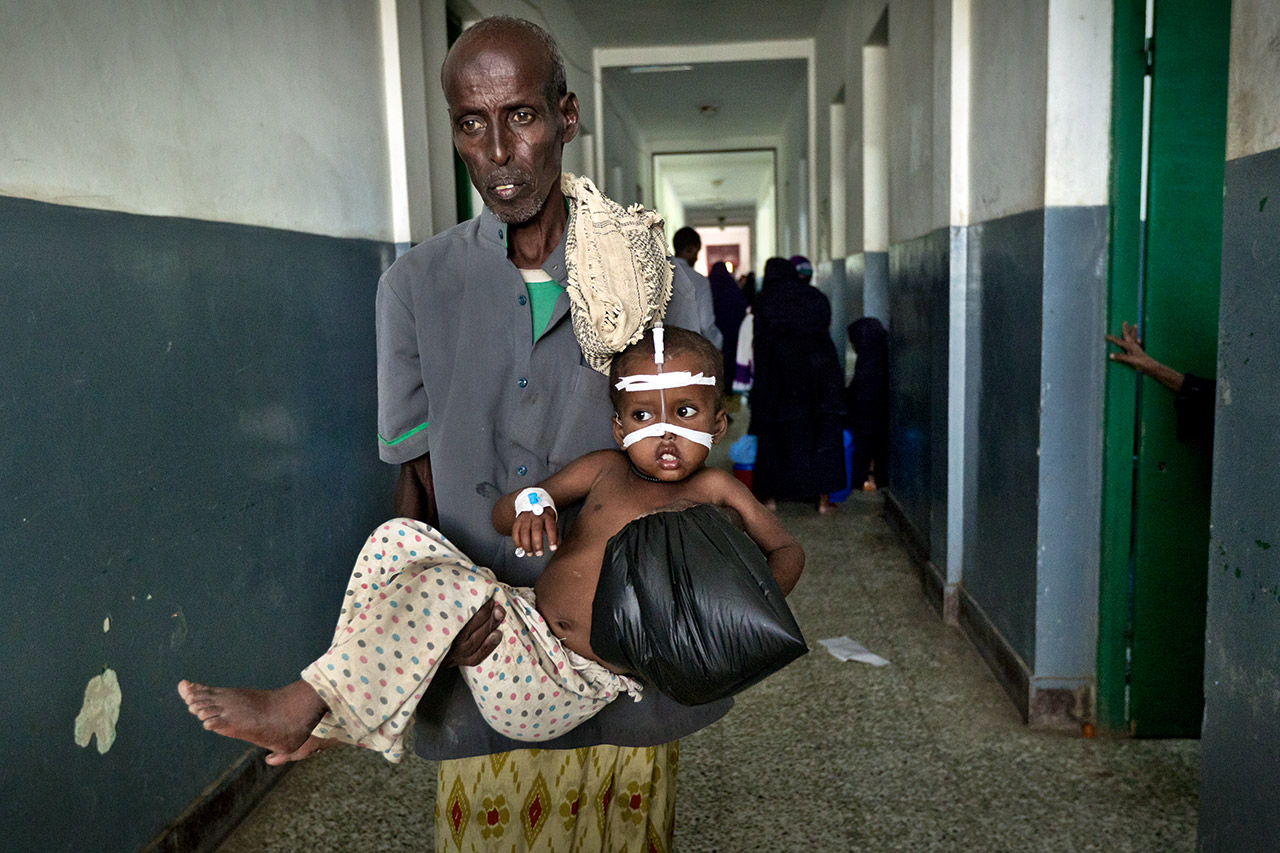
{"type": "Point", "coordinates": [411, 589]}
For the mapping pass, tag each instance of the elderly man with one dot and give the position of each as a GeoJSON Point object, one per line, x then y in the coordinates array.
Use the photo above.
{"type": "Point", "coordinates": [485, 385]}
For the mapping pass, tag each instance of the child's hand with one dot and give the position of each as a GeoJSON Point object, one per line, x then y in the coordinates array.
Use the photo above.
{"type": "Point", "coordinates": [529, 531]}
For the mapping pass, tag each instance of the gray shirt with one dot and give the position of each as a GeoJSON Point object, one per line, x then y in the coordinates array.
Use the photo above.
{"type": "Point", "coordinates": [706, 307]}
{"type": "Point", "coordinates": [459, 377]}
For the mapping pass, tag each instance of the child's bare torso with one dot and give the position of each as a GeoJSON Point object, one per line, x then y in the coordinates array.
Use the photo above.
{"type": "Point", "coordinates": [618, 495]}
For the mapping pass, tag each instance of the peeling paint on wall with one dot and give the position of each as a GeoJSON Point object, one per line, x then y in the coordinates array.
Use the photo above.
{"type": "Point", "coordinates": [100, 711]}
{"type": "Point", "coordinates": [179, 635]}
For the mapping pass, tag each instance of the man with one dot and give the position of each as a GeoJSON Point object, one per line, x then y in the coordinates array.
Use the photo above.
{"type": "Point", "coordinates": [687, 244]}
{"type": "Point", "coordinates": [483, 388]}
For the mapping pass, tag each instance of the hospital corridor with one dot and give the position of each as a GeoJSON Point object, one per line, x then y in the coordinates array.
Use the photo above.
{"type": "Point", "coordinates": [991, 290]}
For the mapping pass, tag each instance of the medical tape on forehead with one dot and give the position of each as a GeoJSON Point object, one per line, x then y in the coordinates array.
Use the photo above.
{"type": "Point", "coordinates": [660, 381]}
{"type": "Point", "coordinates": [660, 429]}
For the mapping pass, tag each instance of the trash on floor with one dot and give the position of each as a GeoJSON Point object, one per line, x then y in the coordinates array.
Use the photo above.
{"type": "Point", "coordinates": [845, 649]}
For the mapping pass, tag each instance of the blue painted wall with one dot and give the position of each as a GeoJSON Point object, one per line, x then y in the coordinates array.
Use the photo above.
{"type": "Point", "coordinates": [1240, 741]}
{"type": "Point", "coordinates": [919, 276]}
{"type": "Point", "coordinates": [189, 415]}
{"type": "Point", "coordinates": [1006, 257]}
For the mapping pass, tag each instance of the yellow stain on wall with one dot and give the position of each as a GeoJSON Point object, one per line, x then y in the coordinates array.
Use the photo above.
{"type": "Point", "coordinates": [100, 711]}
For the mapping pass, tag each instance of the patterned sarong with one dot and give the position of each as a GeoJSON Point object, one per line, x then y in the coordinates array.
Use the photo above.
{"type": "Point", "coordinates": [605, 798]}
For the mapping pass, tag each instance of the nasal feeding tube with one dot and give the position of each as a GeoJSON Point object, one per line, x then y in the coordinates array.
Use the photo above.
{"type": "Point", "coordinates": [661, 382]}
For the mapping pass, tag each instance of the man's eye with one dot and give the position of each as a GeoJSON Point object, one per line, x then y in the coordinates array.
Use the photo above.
{"type": "Point", "coordinates": [686, 411]}
{"type": "Point", "coordinates": [522, 116]}
{"type": "Point", "coordinates": [469, 125]}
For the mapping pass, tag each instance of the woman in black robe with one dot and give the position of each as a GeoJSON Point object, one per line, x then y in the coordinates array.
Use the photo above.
{"type": "Point", "coordinates": [730, 307]}
{"type": "Point", "coordinates": [866, 402]}
{"type": "Point", "coordinates": [796, 411]}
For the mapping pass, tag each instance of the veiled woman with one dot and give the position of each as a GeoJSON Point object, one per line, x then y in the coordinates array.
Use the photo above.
{"type": "Point", "coordinates": [796, 401]}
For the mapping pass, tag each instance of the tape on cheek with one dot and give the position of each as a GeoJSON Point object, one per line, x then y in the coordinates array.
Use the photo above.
{"type": "Point", "coordinates": [660, 429]}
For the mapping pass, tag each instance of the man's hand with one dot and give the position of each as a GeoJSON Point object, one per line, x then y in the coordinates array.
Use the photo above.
{"type": "Point", "coordinates": [1133, 354]}
{"type": "Point", "coordinates": [477, 639]}
{"type": "Point", "coordinates": [1136, 357]}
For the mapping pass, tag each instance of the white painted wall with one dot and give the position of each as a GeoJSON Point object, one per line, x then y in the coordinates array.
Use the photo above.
{"type": "Point", "coordinates": [1253, 100]}
{"type": "Point", "coordinates": [838, 40]}
{"type": "Point", "coordinates": [1008, 119]}
{"type": "Point", "coordinates": [260, 113]}
{"type": "Point", "coordinates": [911, 121]}
{"type": "Point", "coordinates": [625, 156]}
{"type": "Point", "coordinates": [792, 149]}
{"type": "Point", "coordinates": [875, 148]}
{"type": "Point", "coordinates": [1078, 121]}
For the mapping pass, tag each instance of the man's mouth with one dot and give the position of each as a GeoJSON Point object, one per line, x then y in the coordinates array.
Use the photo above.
{"type": "Point", "coordinates": [505, 191]}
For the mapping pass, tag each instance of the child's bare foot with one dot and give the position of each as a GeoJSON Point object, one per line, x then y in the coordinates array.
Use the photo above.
{"type": "Point", "coordinates": [825, 506]}
{"type": "Point", "coordinates": [771, 505]}
{"type": "Point", "coordinates": [280, 720]}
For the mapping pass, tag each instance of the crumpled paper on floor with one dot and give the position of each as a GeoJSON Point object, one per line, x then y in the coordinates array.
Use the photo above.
{"type": "Point", "coordinates": [845, 649]}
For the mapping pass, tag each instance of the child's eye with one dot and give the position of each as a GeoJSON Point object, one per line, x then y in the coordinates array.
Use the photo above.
{"type": "Point", "coordinates": [686, 411]}
{"type": "Point", "coordinates": [641, 416]}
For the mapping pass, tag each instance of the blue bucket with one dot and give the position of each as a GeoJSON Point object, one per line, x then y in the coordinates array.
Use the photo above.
{"type": "Point", "coordinates": [837, 497]}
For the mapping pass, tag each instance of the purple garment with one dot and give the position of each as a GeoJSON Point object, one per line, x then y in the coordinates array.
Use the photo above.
{"type": "Point", "coordinates": [730, 307]}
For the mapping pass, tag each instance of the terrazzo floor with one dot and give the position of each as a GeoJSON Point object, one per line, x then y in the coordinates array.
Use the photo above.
{"type": "Point", "coordinates": [925, 754]}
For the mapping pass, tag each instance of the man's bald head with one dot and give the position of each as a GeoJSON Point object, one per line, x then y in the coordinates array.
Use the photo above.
{"type": "Point", "coordinates": [504, 29]}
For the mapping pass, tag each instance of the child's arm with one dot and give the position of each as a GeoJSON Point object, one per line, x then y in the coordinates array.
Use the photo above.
{"type": "Point", "coordinates": [571, 483]}
{"type": "Point", "coordinates": [780, 549]}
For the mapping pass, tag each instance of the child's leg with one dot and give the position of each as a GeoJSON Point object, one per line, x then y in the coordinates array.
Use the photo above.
{"type": "Point", "coordinates": [533, 688]}
{"type": "Point", "coordinates": [409, 592]}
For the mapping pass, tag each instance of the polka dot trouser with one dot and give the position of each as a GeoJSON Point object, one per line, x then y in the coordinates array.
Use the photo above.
{"type": "Point", "coordinates": [410, 592]}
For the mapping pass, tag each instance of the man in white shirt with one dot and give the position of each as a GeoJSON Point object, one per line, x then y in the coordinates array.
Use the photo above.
{"type": "Point", "coordinates": [687, 244]}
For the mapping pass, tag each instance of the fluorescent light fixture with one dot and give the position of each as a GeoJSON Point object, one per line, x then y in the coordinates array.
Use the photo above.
{"type": "Point", "coordinates": [654, 69]}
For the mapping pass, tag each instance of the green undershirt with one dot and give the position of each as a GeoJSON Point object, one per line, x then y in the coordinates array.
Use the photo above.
{"type": "Point", "coordinates": [542, 301]}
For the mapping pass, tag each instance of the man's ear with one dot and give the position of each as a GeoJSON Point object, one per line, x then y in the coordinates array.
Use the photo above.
{"type": "Point", "coordinates": [722, 426]}
{"type": "Point", "coordinates": [569, 117]}
{"type": "Point", "coordinates": [617, 431]}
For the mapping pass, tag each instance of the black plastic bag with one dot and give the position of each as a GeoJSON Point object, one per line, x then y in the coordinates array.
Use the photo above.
{"type": "Point", "coordinates": [686, 603]}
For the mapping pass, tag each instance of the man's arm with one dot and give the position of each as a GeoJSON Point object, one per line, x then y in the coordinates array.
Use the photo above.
{"type": "Point", "coordinates": [415, 494]}
{"type": "Point", "coordinates": [707, 311]}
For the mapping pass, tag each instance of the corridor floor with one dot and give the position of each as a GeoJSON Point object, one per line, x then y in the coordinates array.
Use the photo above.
{"type": "Point", "coordinates": [925, 754]}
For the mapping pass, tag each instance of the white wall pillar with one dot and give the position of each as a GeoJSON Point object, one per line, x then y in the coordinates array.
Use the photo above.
{"type": "Point", "coordinates": [838, 182]}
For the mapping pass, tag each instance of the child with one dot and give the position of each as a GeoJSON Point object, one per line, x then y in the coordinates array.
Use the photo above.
{"type": "Point", "coordinates": [411, 589]}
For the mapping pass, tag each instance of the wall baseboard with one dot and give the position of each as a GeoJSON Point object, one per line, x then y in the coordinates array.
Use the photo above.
{"type": "Point", "coordinates": [212, 816]}
{"type": "Point", "coordinates": [957, 608]}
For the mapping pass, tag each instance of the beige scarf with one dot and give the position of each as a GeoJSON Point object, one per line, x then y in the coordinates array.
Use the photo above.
{"type": "Point", "coordinates": [619, 275]}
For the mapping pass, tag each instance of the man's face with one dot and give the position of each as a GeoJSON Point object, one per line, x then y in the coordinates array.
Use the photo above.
{"type": "Point", "coordinates": [503, 128]}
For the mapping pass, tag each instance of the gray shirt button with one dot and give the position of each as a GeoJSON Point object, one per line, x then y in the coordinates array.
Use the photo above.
{"type": "Point", "coordinates": [522, 382]}
{"type": "Point", "coordinates": [522, 470]}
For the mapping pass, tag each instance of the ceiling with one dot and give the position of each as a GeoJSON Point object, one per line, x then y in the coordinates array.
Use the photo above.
{"type": "Point", "coordinates": [717, 183]}
{"type": "Point", "coordinates": [750, 99]}
{"type": "Point", "coordinates": [639, 23]}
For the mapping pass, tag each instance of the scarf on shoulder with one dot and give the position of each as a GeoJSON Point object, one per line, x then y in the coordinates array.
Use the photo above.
{"type": "Point", "coordinates": [619, 275]}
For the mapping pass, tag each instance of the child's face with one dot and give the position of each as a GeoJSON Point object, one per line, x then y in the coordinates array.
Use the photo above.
{"type": "Point", "coordinates": [669, 457]}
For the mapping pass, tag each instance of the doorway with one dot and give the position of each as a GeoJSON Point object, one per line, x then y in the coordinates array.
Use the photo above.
{"type": "Point", "coordinates": [1168, 132]}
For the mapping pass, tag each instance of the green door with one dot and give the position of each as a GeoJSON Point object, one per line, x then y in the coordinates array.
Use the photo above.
{"type": "Point", "coordinates": [1156, 499]}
